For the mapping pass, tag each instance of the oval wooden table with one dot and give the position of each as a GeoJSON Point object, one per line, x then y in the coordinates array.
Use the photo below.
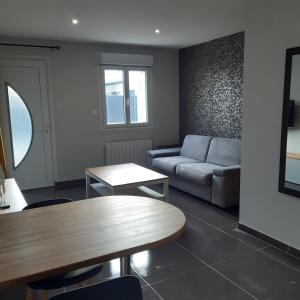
{"type": "Point", "coordinates": [45, 242]}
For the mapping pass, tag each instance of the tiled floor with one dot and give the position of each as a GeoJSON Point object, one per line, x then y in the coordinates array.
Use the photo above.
{"type": "Point", "coordinates": [212, 260]}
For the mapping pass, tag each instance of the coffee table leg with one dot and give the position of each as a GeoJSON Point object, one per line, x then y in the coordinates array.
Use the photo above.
{"type": "Point", "coordinates": [125, 265]}
{"type": "Point", "coordinates": [166, 190]}
{"type": "Point", "coordinates": [87, 185]}
{"type": "Point", "coordinates": [113, 191]}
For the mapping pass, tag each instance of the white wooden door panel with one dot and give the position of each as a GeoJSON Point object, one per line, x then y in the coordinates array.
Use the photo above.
{"type": "Point", "coordinates": [28, 81]}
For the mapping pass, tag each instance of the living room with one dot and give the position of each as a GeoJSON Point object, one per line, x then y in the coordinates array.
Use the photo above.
{"type": "Point", "coordinates": [208, 68]}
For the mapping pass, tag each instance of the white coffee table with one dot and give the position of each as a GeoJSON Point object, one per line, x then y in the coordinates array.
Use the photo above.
{"type": "Point", "coordinates": [126, 179]}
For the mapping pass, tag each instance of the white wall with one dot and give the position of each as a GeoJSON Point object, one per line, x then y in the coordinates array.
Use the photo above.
{"type": "Point", "coordinates": [76, 93]}
{"type": "Point", "coordinates": [272, 26]}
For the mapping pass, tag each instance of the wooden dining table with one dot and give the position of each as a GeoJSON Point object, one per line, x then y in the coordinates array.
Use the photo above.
{"type": "Point", "coordinates": [44, 242]}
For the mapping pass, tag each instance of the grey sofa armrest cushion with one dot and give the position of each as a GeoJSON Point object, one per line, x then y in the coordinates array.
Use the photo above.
{"type": "Point", "coordinates": [164, 152]}
{"type": "Point", "coordinates": [227, 171]}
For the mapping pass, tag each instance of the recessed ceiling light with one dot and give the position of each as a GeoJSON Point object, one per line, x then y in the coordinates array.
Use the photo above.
{"type": "Point", "coordinates": [157, 31]}
{"type": "Point", "coordinates": [75, 21]}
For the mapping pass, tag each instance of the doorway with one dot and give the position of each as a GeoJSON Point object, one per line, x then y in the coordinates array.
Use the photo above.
{"type": "Point", "coordinates": [25, 123]}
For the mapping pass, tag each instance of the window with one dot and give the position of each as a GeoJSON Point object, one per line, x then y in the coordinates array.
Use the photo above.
{"type": "Point", "coordinates": [126, 96]}
{"type": "Point", "coordinates": [20, 124]}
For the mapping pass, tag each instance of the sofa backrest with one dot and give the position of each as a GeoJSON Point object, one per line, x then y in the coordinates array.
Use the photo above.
{"type": "Point", "coordinates": [224, 152]}
{"type": "Point", "coordinates": [195, 147]}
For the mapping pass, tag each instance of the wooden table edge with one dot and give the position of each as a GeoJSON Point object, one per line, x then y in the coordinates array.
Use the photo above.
{"type": "Point", "coordinates": [96, 260]}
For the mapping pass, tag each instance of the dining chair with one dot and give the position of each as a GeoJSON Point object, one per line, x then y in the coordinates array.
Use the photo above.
{"type": "Point", "coordinates": [122, 288]}
{"type": "Point", "coordinates": [66, 279]}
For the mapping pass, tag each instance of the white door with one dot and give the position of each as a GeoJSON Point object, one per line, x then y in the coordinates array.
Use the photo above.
{"type": "Point", "coordinates": [24, 120]}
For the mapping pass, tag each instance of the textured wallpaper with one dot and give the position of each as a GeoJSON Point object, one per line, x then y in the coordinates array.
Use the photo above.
{"type": "Point", "coordinates": [211, 87]}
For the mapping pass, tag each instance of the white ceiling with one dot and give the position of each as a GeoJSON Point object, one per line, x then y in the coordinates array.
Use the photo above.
{"type": "Point", "coordinates": [181, 22]}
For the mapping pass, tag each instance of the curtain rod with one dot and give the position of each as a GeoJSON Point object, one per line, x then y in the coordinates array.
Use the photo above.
{"type": "Point", "coordinates": [33, 46]}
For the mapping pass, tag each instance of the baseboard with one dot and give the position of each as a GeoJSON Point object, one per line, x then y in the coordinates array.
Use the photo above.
{"type": "Point", "coordinates": [69, 183]}
{"type": "Point", "coordinates": [284, 247]}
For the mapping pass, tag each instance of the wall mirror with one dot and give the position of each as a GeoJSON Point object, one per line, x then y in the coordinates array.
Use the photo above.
{"type": "Point", "coordinates": [289, 177]}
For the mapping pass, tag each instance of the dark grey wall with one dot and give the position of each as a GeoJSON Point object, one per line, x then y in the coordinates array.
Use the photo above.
{"type": "Point", "coordinates": [211, 87]}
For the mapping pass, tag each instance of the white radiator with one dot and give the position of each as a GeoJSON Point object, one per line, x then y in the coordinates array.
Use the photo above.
{"type": "Point", "coordinates": [127, 152]}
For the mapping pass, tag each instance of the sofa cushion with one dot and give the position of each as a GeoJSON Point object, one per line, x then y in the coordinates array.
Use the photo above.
{"type": "Point", "coordinates": [195, 147]}
{"type": "Point", "coordinates": [201, 173]}
{"type": "Point", "coordinates": [224, 152]}
{"type": "Point", "coordinates": [167, 165]}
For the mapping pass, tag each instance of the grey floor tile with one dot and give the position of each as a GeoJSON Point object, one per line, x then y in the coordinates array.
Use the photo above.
{"type": "Point", "coordinates": [201, 209]}
{"type": "Point", "coordinates": [293, 294]}
{"type": "Point", "coordinates": [149, 294]}
{"type": "Point", "coordinates": [78, 193]}
{"type": "Point", "coordinates": [276, 253]}
{"type": "Point", "coordinates": [201, 284]}
{"type": "Point", "coordinates": [32, 196]}
{"type": "Point", "coordinates": [261, 275]}
{"type": "Point", "coordinates": [243, 236]}
{"type": "Point", "coordinates": [210, 244]}
{"type": "Point", "coordinates": [164, 262]}
{"type": "Point", "coordinates": [74, 193]}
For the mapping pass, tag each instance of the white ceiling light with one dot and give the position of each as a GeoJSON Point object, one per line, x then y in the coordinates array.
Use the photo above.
{"type": "Point", "coordinates": [75, 21]}
{"type": "Point", "coordinates": [157, 31]}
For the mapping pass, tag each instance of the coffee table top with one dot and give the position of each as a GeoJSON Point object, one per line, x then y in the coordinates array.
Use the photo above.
{"type": "Point", "coordinates": [124, 174]}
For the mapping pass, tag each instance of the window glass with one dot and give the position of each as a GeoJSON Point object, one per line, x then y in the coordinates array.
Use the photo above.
{"type": "Point", "coordinates": [126, 95]}
{"type": "Point", "coordinates": [21, 126]}
{"type": "Point", "coordinates": [138, 96]}
{"type": "Point", "coordinates": [114, 96]}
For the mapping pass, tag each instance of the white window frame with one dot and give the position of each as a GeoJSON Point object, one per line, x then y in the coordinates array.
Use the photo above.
{"type": "Point", "coordinates": [126, 70]}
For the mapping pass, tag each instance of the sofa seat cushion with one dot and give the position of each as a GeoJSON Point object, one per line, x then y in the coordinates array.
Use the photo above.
{"type": "Point", "coordinates": [201, 173]}
{"type": "Point", "coordinates": [167, 165]}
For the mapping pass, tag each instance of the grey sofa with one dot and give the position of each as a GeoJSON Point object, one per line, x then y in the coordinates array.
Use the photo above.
{"type": "Point", "coordinates": [206, 167]}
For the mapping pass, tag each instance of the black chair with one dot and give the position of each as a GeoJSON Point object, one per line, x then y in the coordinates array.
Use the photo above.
{"type": "Point", "coordinates": [122, 288]}
{"type": "Point", "coordinates": [64, 280]}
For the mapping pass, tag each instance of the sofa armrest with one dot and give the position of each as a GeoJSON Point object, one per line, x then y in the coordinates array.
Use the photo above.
{"type": "Point", "coordinates": [164, 152]}
{"type": "Point", "coordinates": [227, 171]}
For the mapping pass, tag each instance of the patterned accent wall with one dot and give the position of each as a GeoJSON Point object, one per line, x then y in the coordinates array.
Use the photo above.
{"type": "Point", "coordinates": [211, 87]}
